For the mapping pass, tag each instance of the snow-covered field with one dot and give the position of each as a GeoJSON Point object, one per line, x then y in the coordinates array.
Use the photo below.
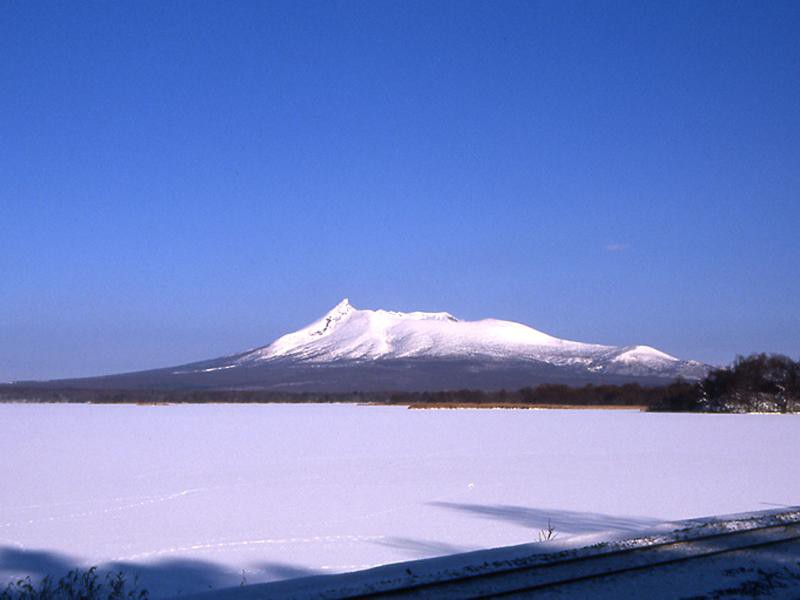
{"type": "Point", "coordinates": [195, 497]}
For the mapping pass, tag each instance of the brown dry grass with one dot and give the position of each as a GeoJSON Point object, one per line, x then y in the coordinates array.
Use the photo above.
{"type": "Point", "coordinates": [515, 405]}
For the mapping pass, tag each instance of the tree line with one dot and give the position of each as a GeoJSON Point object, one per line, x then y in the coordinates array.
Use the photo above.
{"type": "Point", "coordinates": [756, 383]}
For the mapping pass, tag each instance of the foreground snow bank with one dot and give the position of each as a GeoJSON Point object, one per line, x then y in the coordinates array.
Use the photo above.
{"type": "Point", "coordinates": [202, 497]}
{"type": "Point", "coordinates": [564, 567]}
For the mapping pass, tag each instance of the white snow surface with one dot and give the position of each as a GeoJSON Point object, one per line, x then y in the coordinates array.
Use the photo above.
{"type": "Point", "coordinates": [198, 497]}
{"type": "Point", "coordinates": [773, 570]}
{"type": "Point", "coordinates": [347, 333]}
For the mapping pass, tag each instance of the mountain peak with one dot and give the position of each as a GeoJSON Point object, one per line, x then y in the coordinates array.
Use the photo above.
{"type": "Point", "coordinates": [340, 309]}
{"type": "Point", "coordinates": [347, 334]}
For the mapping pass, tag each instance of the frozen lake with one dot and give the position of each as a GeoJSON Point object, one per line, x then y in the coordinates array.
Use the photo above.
{"type": "Point", "coordinates": [194, 497]}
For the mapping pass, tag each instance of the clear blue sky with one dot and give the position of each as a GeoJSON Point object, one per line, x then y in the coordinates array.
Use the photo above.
{"type": "Point", "coordinates": [181, 180]}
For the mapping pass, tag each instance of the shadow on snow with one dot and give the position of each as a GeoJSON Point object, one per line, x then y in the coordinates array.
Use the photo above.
{"type": "Point", "coordinates": [165, 578]}
{"type": "Point", "coordinates": [415, 548]}
{"type": "Point", "coordinates": [566, 522]}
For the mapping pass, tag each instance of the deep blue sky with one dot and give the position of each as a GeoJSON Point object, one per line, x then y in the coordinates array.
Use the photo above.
{"type": "Point", "coordinates": [181, 180]}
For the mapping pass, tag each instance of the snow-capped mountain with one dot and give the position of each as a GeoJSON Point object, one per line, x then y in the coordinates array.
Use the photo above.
{"type": "Point", "coordinates": [349, 334]}
{"type": "Point", "coordinates": [352, 349]}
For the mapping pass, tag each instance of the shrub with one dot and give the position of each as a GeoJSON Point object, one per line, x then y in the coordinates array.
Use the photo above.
{"type": "Point", "coordinates": [760, 382]}
{"type": "Point", "coordinates": [76, 585]}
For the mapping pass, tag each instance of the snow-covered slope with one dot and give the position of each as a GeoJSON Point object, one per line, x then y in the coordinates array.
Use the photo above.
{"type": "Point", "coordinates": [349, 334]}
{"type": "Point", "coordinates": [349, 349]}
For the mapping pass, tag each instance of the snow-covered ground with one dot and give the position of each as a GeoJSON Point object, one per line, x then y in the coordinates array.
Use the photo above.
{"type": "Point", "coordinates": [199, 497]}
{"type": "Point", "coordinates": [746, 555]}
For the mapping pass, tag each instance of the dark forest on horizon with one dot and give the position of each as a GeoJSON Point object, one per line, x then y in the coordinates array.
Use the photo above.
{"type": "Point", "coordinates": [757, 383]}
